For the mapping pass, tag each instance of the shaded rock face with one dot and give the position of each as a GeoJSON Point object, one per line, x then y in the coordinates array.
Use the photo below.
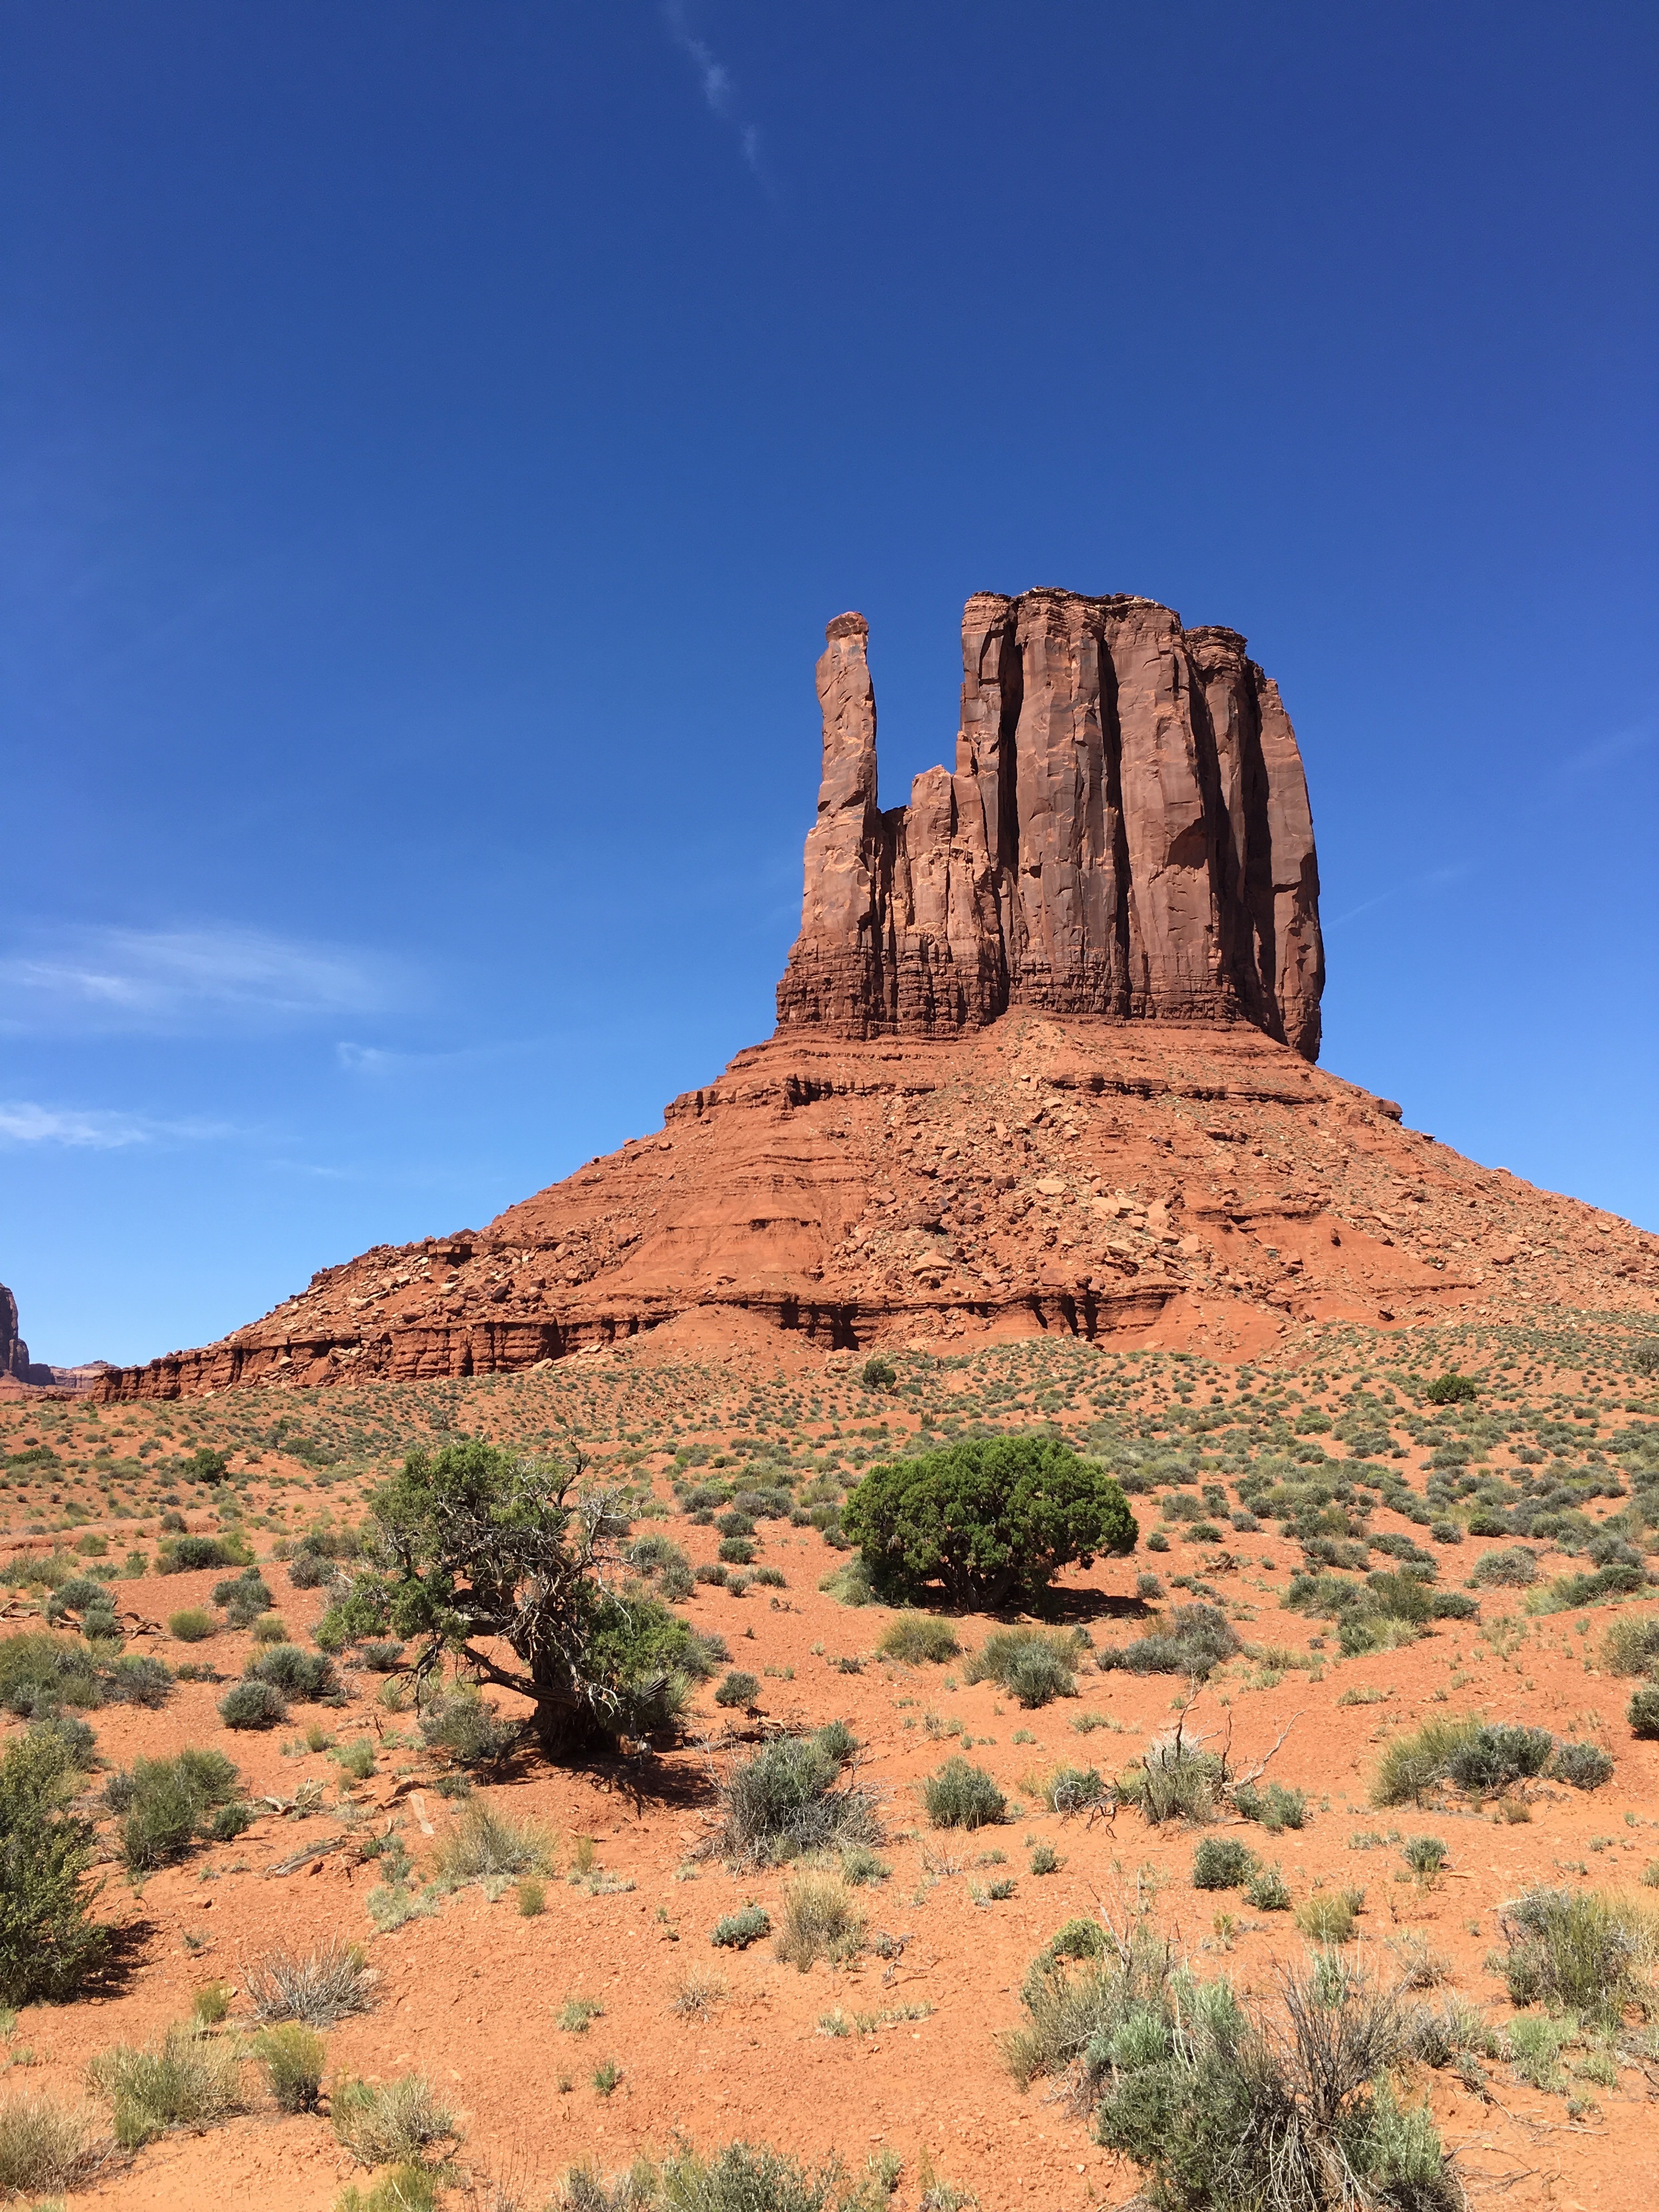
{"type": "Point", "coordinates": [1126, 834]}
{"type": "Point", "coordinates": [15, 1364]}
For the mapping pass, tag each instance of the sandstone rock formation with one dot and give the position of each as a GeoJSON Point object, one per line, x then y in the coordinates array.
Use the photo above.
{"type": "Point", "coordinates": [15, 1366]}
{"type": "Point", "coordinates": [1126, 834]}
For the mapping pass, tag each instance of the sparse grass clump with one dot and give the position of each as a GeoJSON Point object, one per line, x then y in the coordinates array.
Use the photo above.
{"type": "Point", "coordinates": [1330, 1915]}
{"type": "Point", "coordinates": [1478, 1756]}
{"type": "Point", "coordinates": [317, 1987]}
{"type": "Point", "coordinates": [790, 1797]}
{"type": "Point", "coordinates": [192, 1624]}
{"type": "Point", "coordinates": [399, 2122]}
{"type": "Point", "coordinates": [918, 1638]}
{"type": "Point", "coordinates": [1630, 1646]}
{"type": "Point", "coordinates": [293, 2058]}
{"type": "Point", "coordinates": [821, 1920]}
{"type": "Point", "coordinates": [1275, 1807]}
{"type": "Point", "coordinates": [483, 1844]}
{"type": "Point", "coordinates": [1579, 1951]}
{"type": "Point", "coordinates": [963, 1796]}
{"type": "Point", "coordinates": [1177, 1779]}
{"type": "Point", "coordinates": [187, 2081]}
{"type": "Point", "coordinates": [1065, 1790]}
{"type": "Point", "coordinates": [45, 2149]}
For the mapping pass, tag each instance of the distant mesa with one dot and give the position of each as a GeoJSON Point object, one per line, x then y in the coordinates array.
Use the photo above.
{"type": "Point", "coordinates": [1126, 834]}
{"type": "Point", "coordinates": [1045, 1061]}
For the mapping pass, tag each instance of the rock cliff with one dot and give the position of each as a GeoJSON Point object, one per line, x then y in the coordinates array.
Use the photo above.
{"type": "Point", "coordinates": [1126, 834]}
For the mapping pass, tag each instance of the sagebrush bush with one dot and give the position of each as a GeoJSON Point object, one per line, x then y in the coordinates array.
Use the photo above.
{"type": "Point", "coordinates": [1034, 1665]}
{"type": "Point", "coordinates": [1275, 1807]}
{"type": "Point", "coordinates": [1630, 1645]}
{"type": "Point", "coordinates": [737, 1688]}
{"type": "Point", "coordinates": [963, 1796]}
{"type": "Point", "coordinates": [48, 1946]}
{"type": "Point", "coordinates": [1578, 1952]}
{"type": "Point", "coordinates": [392, 2123]}
{"type": "Point", "coordinates": [304, 1676]}
{"type": "Point", "coordinates": [252, 1705]}
{"type": "Point", "coordinates": [465, 1729]}
{"type": "Point", "coordinates": [1584, 1765]}
{"type": "Point", "coordinates": [318, 1987]}
{"type": "Point", "coordinates": [821, 1920]}
{"type": "Point", "coordinates": [1065, 1788]}
{"type": "Point", "coordinates": [988, 1519]}
{"type": "Point", "coordinates": [39, 1674]}
{"type": "Point", "coordinates": [790, 1797]}
{"type": "Point", "coordinates": [187, 2080]}
{"type": "Point", "coordinates": [918, 1638]}
{"type": "Point", "coordinates": [165, 1804]}
{"type": "Point", "coordinates": [1266, 1892]}
{"type": "Point", "coordinates": [1222, 1863]}
{"type": "Point", "coordinates": [484, 1843]}
{"type": "Point", "coordinates": [45, 2149]}
{"type": "Point", "coordinates": [1642, 1713]}
{"type": "Point", "coordinates": [1480, 1757]}
{"type": "Point", "coordinates": [1514, 1569]}
{"type": "Point", "coordinates": [183, 1555]}
{"type": "Point", "coordinates": [243, 1597]}
{"type": "Point", "coordinates": [1195, 1641]}
{"type": "Point", "coordinates": [735, 1931]}
{"type": "Point", "coordinates": [293, 2058]}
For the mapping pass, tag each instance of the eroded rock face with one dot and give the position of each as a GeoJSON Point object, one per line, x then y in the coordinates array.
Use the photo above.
{"type": "Point", "coordinates": [15, 1366]}
{"type": "Point", "coordinates": [1126, 833]}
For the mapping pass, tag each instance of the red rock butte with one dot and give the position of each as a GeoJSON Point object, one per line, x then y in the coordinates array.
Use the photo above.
{"type": "Point", "coordinates": [1045, 1060]}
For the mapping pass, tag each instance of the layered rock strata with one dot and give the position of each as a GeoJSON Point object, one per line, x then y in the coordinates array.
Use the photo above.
{"type": "Point", "coordinates": [1126, 834]}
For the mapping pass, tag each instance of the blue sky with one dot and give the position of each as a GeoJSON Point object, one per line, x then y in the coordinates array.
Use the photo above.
{"type": "Point", "coordinates": [434, 437]}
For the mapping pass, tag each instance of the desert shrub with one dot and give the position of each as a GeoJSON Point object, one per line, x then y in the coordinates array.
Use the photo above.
{"type": "Point", "coordinates": [1483, 1757]}
{"type": "Point", "coordinates": [1630, 1646]}
{"type": "Point", "coordinates": [735, 1931]}
{"type": "Point", "coordinates": [1568, 1592]}
{"type": "Point", "coordinates": [310, 1571]}
{"type": "Point", "coordinates": [877, 1374]}
{"type": "Point", "coordinates": [1642, 1713]}
{"type": "Point", "coordinates": [737, 1688]}
{"type": "Point", "coordinates": [79, 1743]}
{"type": "Point", "coordinates": [1451, 1389]}
{"type": "Point", "coordinates": [48, 1947]}
{"type": "Point", "coordinates": [135, 1679]}
{"type": "Point", "coordinates": [467, 1731]}
{"type": "Point", "coordinates": [1065, 1790]}
{"type": "Point", "coordinates": [483, 1844]}
{"type": "Point", "coordinates": [1577, 1952]}
{"type": "Point", "coordinates": [790, 1797]}
{"type": "Point", "coordinates": [393, 2122]}
{"type": "Point", "coordinates": [184, 2081]}
{"type": "Point", "coordinates": [39, 1673]}
{"type": "Point", "coordinates": [1175, 1780]}
{"type": "Point", "coordinates": [1221, 2107]}
{"type": "Point", "coordinates": [1495, 1755]}
{"type": "Point", "coordinates": [243, 1597]}
{"type": "Point", "coordinates": [531, 1896]}
{"type": "Point", "coordinates": [1328, 1916]}
{"type": "Point", "coordinates": [1222, 1863]}
{"type": "Point", "coordinates": [1584, 1765]}
{"type": "Point", "coordinates": [1514, 1569]}
{"type": "Point", "coordinates": [252, 1705]}
{"type": "Point", "coordinates": [1195, 1641]}
{"type": "Point", "coordinates": [990, 1519]}
{"type": "Point", "coordinates": [916, 1638]}
{"type": "Point", "coordinates": [1275, 1807]}
{"type": "Point", "coordinates": [80, 1594]}
{"type": "Point", "coordinates": [293, 2058]}
{"type": "Point", "coordinates": [821, 1920]}
{"type": "Point", "coordinates": [206, 1464]}
{"type": "Point", "coordinates": [167, 1804]}
{"type": "Point", "coordinates": [306, 1677]}
{"type": "Point", "coordinates": [380, 1658]}
{"type": "Point", "coordinates": [192, 1624]}
{"type": "Point", "coordinates": [319, 1987]}
{"type": "Point", "coordinates": [963, 1796]}
{"type": "Point", "coordinates": [1424, 1855]}
{"type": "Point", "coordinates": [1034, 1665]}
{"type": "Point", "coordinates": [1266, 1890]}
{"type": "Point", "coordinates": [211, 2004]}
{"type": "Point", "coordinates": [184, 1555]}
{"type": "Point", "coordinates": [45, 2149]}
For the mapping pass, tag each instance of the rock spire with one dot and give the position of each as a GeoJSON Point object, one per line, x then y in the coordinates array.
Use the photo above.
{"type": "Point", "coordinates": [1126, 834]}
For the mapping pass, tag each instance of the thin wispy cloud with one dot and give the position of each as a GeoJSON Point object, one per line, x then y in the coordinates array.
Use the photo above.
{"type": "Point", "coordinates": [168, 982]}
{"type": "Point", "coordinates": [1433, 879]}
{"type": "Point", "coordinates": [716, 84]}
{"type": "Point", "coordinates": [24, 1122]}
